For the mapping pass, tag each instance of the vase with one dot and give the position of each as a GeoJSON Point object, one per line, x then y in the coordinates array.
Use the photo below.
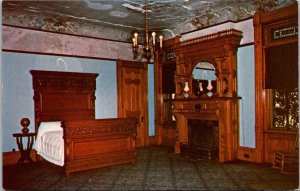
{"type": "Point", "coordinates": [209, 86]}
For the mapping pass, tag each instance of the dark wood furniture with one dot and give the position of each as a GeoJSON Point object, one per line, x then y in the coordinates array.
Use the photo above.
{"type": "Point", "coordinates": [25, 152]}
{"type": "Point", "coordinates": [88, 142]}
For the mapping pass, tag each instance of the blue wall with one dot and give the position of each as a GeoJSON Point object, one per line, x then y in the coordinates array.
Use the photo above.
{"type": "Point", "coordinates": [17, 92]}
{"type": "Point", "coordinates": [246, 90]}
{"type": "Point", "coordinates": [151, 107]}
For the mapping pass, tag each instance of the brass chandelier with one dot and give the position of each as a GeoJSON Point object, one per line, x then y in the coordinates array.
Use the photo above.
{"type": "Point", "coordinates": [150, 46]}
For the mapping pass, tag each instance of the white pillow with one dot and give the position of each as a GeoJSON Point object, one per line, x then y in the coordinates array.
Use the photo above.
{"type": "Point", "coordinates": [49, 126]}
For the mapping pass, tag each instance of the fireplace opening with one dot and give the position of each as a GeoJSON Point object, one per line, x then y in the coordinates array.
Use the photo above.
{"type": "Point", "coordinates": [203, 140]}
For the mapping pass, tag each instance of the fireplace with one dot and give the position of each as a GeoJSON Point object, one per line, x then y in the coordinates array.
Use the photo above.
{"type": "Point", "coordinates": [218, 111]}
{"type": "Point", "coordinates": [217, 117]}
{"type": "Point", "coordinates": [203, 141]}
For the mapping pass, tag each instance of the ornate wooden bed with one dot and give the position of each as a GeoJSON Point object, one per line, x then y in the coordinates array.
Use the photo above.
{"type": "Point", "coordinates": [88, 142]}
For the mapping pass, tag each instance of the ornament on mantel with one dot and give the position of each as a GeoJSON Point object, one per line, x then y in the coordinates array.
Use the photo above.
{"type": "Point", "coordinates": [209, 88]}
{"type": "Point", "coordinates": [186, 90]}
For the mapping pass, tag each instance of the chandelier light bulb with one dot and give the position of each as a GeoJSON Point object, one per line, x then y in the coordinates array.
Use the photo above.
{"type": "Point", "coordinates": [153, 37]}
{"type": "Point", "coordinates": [136, 38]}
{"type": "Point", "coordinates": [160, 40]}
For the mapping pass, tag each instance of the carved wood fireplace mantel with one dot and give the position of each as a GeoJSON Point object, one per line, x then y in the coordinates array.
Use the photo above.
{"type": "Point", "coordinates": [220, 50]}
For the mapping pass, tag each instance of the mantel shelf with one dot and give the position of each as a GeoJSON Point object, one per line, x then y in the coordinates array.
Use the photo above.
{"type": "Point", "coordinates": [205, 99]}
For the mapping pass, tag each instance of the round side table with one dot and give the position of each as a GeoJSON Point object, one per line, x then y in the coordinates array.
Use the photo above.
{"type": "Point", "coordinates": [25, 152]}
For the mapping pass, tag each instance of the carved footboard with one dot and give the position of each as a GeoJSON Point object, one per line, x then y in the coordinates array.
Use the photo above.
{"type": "Point", "coordinates": [97, 143]}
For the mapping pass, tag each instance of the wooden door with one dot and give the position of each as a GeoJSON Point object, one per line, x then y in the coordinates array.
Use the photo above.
{"type": "Point", "coordinates": [132, 96]}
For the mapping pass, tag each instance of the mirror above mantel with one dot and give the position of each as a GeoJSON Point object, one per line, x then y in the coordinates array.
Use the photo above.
{"type": "Point", "coordinates": [216, 52]}
{"type": "Point", "coordinates": [204, 78]}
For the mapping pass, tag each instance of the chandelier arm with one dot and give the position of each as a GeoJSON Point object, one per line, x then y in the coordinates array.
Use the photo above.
{"type": "Point", "coordinates": [147, 25]}
{"type": "Point", "coordinates": [149, 48]}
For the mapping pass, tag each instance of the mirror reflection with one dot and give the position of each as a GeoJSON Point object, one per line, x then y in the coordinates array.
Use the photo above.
{"type": "Point", "coordinates": [204, 79]}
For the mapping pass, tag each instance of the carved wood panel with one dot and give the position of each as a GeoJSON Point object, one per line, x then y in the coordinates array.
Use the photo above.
{"type": "Point", "coordinates": [218, 49]}
{"type": "Point", "coordinates": [63, 96]}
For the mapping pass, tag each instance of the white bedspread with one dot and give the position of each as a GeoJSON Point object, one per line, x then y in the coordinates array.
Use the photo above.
{"type": "Point", "coordinates": [49, 142]}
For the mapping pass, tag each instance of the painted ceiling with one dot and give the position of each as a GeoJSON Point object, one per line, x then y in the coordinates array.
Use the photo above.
{"type": "Point", "coordinates": [119, 19]}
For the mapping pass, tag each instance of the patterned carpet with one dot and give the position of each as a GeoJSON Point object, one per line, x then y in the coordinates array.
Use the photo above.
{"type": "Point", "coordinates": [157, 169]}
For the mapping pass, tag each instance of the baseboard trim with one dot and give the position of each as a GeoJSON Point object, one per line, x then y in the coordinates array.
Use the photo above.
{"type": "Point", "coordinates": [10, 158]}
{"type": "Point", "coordinates": [247, 154]}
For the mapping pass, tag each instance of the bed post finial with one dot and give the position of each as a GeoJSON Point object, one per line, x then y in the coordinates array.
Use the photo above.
{"type": "Point", "coordinates": [25, 122]}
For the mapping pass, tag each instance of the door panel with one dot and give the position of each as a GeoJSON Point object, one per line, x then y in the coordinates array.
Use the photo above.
{"type": "Point", "coordinates": [132, 96]}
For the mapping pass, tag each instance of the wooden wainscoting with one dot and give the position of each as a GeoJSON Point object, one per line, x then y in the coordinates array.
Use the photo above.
{"type": "Point", "coordinates": [278, 141]}
{"type": "Point", "coordinates": [169, 137]}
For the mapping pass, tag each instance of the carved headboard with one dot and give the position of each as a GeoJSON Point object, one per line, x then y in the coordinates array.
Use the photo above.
{"type": "Point", "coordinates": [62, 96]}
